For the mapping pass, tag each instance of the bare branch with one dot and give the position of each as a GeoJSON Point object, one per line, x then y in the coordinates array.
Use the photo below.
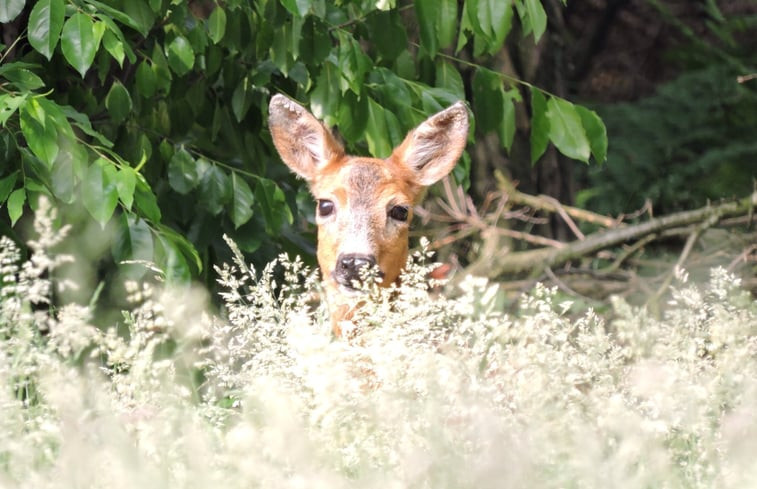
{"type": "Point", "coordinates": [535, 261]}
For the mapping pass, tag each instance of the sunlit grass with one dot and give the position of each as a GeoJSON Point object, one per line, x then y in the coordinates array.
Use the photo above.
{"type": "Point", "coordinates": [428, 391]}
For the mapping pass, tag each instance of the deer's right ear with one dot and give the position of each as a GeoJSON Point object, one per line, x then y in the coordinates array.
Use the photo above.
{"type": "Point", "coordinates": [303, 143]}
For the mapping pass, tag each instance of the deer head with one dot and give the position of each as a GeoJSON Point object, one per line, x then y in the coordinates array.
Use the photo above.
{"type": "Point", "coordinates": [364, 205]}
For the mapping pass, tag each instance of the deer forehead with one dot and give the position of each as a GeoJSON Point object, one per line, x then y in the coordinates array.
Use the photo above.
{"type": "Point", "coordinates": [369, 184]}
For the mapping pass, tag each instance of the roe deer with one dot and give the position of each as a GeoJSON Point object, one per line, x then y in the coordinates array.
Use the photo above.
{"type": "Point", "coordinates": [364, 204]}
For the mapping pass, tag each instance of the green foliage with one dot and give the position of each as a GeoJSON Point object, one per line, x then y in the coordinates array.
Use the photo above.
{"type": "Point", "coordinates": [151, 115]}
{"type": "Point", "coordinates": [691, 141]}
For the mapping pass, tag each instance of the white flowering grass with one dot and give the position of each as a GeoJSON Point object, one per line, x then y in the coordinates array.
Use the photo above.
{"type": "Point", "coordinates": [426, 391]}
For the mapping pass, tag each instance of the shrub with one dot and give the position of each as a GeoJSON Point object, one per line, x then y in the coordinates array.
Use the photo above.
{"type": "Point", "coordinates": [688, 143]}
{"type": "Point", "coordinates": [428, 391]}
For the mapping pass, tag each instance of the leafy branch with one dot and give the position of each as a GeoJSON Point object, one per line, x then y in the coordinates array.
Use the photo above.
{"type": "Point", "coordinates": [167, 136]}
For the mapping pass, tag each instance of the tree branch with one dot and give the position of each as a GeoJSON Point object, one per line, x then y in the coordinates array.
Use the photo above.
{"type": "Point", "coordinates": [536, 261]}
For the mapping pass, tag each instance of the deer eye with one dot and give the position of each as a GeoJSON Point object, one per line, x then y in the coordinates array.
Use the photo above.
{"type": "Point", "coordinates": [325, 208]}
{"type": "Point", "coordinates": [398, 213]}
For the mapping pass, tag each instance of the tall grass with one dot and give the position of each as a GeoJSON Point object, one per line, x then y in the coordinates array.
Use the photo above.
{"type": "Point", "coordinates": [426, 391]}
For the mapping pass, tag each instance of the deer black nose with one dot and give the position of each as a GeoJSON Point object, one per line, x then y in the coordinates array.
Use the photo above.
{"type": "Point", "coordinates": [348, 266]}
{"type": "Point", "coordinates": [353, 262]}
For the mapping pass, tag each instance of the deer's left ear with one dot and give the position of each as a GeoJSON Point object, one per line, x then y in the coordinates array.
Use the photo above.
{"type": "Point", "coordinates": [431, 150]}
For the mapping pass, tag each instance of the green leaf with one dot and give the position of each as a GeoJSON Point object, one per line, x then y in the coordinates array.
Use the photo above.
{"type": "Point", "coordinates": [501, 23]}
{"type": "Point", "coordinates": [353, 64]}
{"type": "Point", "coordinates": [182, 172]}
{"type": "Point", "coordinates": [446, 22]}
{"type": "Point", "coordinates": [39, 131]}
{"type": "Point", "coordinates": [141, 151]}
{"type": "Point", "coordinates": [472, 20]}
{"type": "Point", "coordinates": [35, 188]}
{"type": "Point", "coordinates": [82, 122]}
{"type": "Point", "coordinates": [488, 99]}
{"type": "Point", "coordinates": [145, 80]}
{"type": "Point", "coordinates": [539, 125]}
{"type": "Point", "coordinates": [114, 46]}
{"type": "Point", "coordinates": [198, 39]}
{"type": "Point", "coordinates": [387, 34]}
{"type": "Point", "coordinates": [6, 185]}
{"type": "Point", "coordinates": [160, 69]}
{"type": "Point", "coordinates": [126, 182]}
{"type": "Point", "coordinates": [461, 171]}
{"type": "Point", "coordinates": [491, 21]}
{"type": "Point", "coordinates": [272, 202]}
{"type": "Point", "coordinates": [113, 38]}
{"type": "Point", "coordinates": [595, 131]}
{"type": "Point", "coordinates": [376, 131]}
{"type": "Point", "coordinates": [140, 14]}
{"type": "Point", "coordinates": [215, 189]}
{"type": "Point", "coordinates": [325, 97]}
{"type": "Point", "coordinates": [536, 18]}
{"type": "Point", "coordinates": [16, 204]}
{"type": "Point", "coordinates": [9, 104]}
{"type": "Point", "coordinates": [353, 117]}
{"type": "Point", "coordinates": [106, 13]}
{"type": "Point", "coordinates": [315, 43]}
{"type": "Point", "coordinates": [426, 13]}
{"type": "Point", "coordinates": [79, 42]}
{"type": "Point", "coordinates": [507, 123]}
{"type": "Point", "coordinates": [169, 258]}
{"type": "Point", "coordinates": [181, 57]}
{"type": "Point", "coordinates": [183, 245]}
{"type": "Point", "coordinates": [99, 191]}
{"type": "Point", "coordinates": [56, 114]}
{"type": "Point", "coordinates": [133, 239]}
{"type": "Point", "coordinates": [566, 130]}
{"type": "Point", "coordinates": [146, 201]}
{"type": "Point", "coordinates": [501, 19]}
{"type": "Point", "coordinates": [9, 9]}
{"type": "Point", "coordinates": [240, 102]}
{"type": "Point", "coordinates": [45, 25]}
{"type": "Point", "coordinates": [67, 168]}
{"type": "Point", "coordinates": [449, 78]}
{"type": "Point", "coordinates": [241, 202]}
{"type": "Point", "coordinates": [396, 132]}
{"type": "Point", "coordinates": [46, 130]}
{"type": "Point", "coordinates": [285, 48]}
{"type": "Point", "coordinates": [217, 24]}
{"type": "Point", "coordinates": [394, 95]}
{"type": "Point", "coordinates": [25, 80]}
{"type": "Point", "coordinates": [299, 8]}
{"type": "Point", "coordinates": [466, 26]}
{"type": "Point", "coordinates": [35, 110]}
{"type": "Point", "coordinates": [118, 102]}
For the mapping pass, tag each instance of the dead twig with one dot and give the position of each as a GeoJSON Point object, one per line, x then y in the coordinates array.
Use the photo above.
{"type": "Point", "coordinates": [547, 204]}
{"type": "Point", "coordinates": [688, 247]}
{"type": "Point", "coordinates": [743, 257]}
{"type": "Point", "coordinates": [562, 285]}
{"type": "Point", "coordinates": [530, 238]}
{"type": "Point", "coordinates": [630, 250]}
{"type": "Point", "coordinates": [560, 209]}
